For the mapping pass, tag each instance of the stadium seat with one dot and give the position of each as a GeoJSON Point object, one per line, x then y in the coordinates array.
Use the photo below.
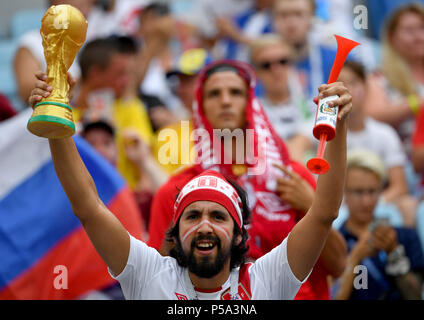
{"type": "Point", "coordinates": [25, 20]}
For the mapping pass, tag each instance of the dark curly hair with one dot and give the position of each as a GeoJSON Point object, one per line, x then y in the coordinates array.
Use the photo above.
{"type": "Point", "coordinates": [238, 253]}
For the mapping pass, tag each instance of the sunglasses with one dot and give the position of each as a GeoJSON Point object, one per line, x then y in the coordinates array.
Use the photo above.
{"type": "Point", "coordinates": [266, 65]}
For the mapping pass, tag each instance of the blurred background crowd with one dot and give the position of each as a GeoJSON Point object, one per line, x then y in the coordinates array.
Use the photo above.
{"type": "Point", "coordinates": [136, 77]}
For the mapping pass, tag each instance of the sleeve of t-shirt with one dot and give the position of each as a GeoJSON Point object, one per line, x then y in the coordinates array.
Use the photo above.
{"type": "Point", "coordinates": [142, 264]}
{"type": "Point", "coordinates": [274, 272]}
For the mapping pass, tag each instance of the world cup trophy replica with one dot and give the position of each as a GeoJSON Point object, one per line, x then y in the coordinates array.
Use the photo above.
{"type": "Point", "coordinates": [63, 30]}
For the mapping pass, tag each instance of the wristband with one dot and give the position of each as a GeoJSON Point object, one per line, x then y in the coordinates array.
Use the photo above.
{"type": "Point", "coordinates": [414, 103]}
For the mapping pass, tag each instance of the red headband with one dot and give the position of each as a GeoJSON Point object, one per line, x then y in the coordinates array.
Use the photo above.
{"type": "Point", "coordinates": [210, 186]}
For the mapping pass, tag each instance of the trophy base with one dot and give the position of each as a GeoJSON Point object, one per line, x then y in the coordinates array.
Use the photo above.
{"type": "Point", "coordinates": [52, 120]}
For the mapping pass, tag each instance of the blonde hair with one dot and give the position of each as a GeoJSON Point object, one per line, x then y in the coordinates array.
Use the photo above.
{"type": "Point", "coordinates": [394, 65]}
{"type": "Point", "coordinates": [367, 160]}
{"type": "Point", "coordinates": [268, 40]}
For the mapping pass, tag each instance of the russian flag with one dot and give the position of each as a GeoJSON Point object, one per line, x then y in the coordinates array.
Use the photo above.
{"type": "Point", "coordinates": [40, 238]}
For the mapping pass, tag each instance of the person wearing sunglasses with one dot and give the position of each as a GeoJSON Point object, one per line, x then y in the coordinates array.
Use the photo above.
{"type": "Point", "coordinates": [283, 96]}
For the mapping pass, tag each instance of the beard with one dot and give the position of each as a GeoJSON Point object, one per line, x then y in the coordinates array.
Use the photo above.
{"type": "Point", "coordinates": [204, 267]}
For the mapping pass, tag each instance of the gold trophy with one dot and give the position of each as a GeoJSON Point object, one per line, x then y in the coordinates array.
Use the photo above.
{"type": "Point", "coordinates": [63, 29]}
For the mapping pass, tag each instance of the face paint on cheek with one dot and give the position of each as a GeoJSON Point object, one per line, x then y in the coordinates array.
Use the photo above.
{"type": "Point", "coordinates": [197, 226]}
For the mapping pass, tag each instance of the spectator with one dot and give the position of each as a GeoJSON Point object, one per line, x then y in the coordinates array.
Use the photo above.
{"type": "Point", "coordinates": [159, 114]}
{"type": "Point", "coordinates": [293, 20]}
{"type": "Point", "coordinates": [182, 79]}
{"type": "Point", "coordinates": [279, 197]}
{"type": "Point", "coordinates": [157, 29]}
{"type": "Point", "coordinates": [101, 136]}
{"type": "Point", "coordinates": [284, 100]}
{"type": "Point", "coordinates": [393, 256]}
{"type": "Point", "coordinates": [396, 93]}
{"type": "Point", "coordinates": [29, 57]}
{"type": "Point", "coordinates": [380, 138]}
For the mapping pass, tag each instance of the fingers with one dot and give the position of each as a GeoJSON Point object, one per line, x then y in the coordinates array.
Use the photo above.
{"type": "Point", "coordinates": [343, 113]}
{"type": "Point", "coordinates": [344, 100]}
{"type": "Point", "coordinates": [331, 89]}
{"type": "Point", "coordinates": [335, 89]}
{"type": "Point", "coordinates": [34, 99]}
{"type": "Point", "coordinates": [41, 90]}
{"type": "Point", "coordinates": [284, 186]}
{"type": "Point", "coordinates": [44, 86]}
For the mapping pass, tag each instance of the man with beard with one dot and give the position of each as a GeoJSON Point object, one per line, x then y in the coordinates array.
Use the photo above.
{"type": "Point", "coordinates": [209, 217]}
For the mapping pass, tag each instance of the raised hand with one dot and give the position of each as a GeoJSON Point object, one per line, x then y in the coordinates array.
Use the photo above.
{"type": "Point", "coordinates": [344, 102]}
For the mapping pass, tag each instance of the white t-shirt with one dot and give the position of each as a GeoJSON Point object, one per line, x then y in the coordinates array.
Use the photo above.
{"type": "Point", "coordinates": [150, 276]}
{"type": "Point", "coordinates": [380, 138]}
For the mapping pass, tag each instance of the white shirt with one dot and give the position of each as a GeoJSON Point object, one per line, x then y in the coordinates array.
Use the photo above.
{"type": "Point", "coordinates": [381, 139]}
{"type": "Point", "coordinates": [150, 276]}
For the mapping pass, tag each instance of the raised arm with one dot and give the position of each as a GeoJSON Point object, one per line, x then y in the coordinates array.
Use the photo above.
{"type": "Point", "coordinates": [308, 237]}
{"type": "Point", "coordinates": [107, 234]}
